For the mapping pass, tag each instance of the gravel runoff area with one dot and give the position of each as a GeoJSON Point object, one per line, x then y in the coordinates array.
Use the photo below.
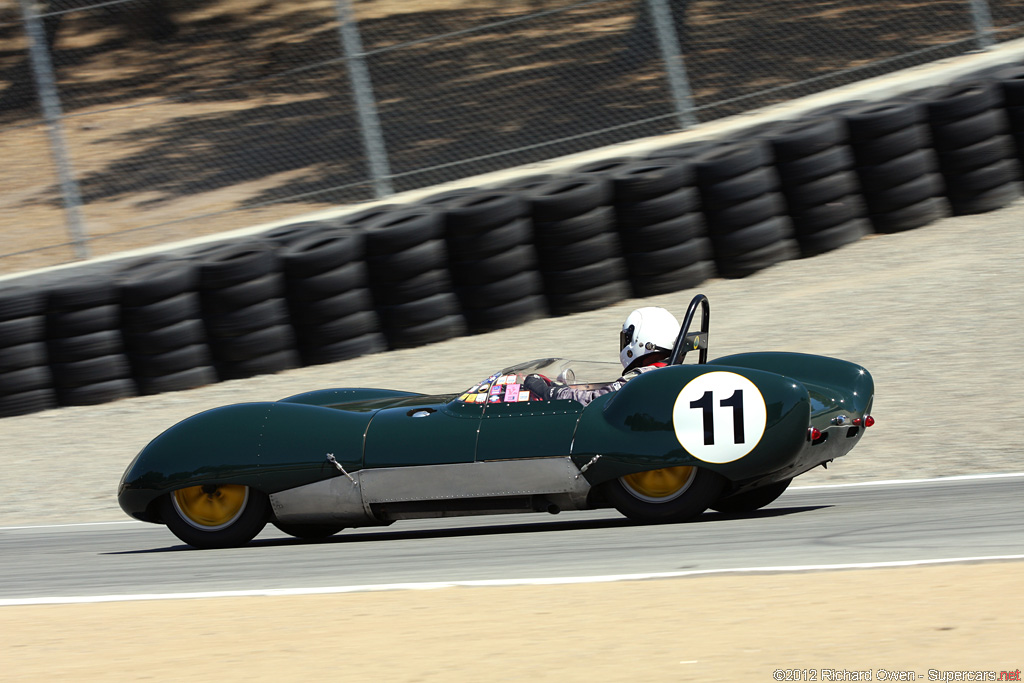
{"type": "Point", "coordinates": [933, 313]}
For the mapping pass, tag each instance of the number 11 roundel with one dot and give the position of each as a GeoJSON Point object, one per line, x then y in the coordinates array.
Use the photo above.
{"type": "Point", "coordinates": [719, 417]}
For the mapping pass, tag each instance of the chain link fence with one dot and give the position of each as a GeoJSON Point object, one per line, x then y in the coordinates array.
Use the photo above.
{"type": "Point", "coordinates": [128, 123]}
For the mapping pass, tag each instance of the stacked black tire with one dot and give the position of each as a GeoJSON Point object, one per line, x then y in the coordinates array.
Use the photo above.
{"type": "Point", "coordinates": [407, 263]}
{"type": "Point", "coordinates": [1011, 85]}
{"type": "Point", "coordinates": [976, 153]}
{"type": "Point", "coordinates": [577, 243]}
{"type": "Point", "coordinates": [817, 178]}
{"type": "Point", "coordinates": [83, 339]}
{"type": "Point", "coordinates": [162, 327]}
{"type": "Point", "coordinates": [661, 227]}
{"type": "Point", "coordinates": [26, 384]}
{"type": "Point", "coordinates": [245, 315]}
{"type": "Point", "coordinates": [329, 302]}
{"type": "Point", "coordinates": [491, 259]}
{"type": "Point", "coordinates": [895, 165]}
{"type": "Point", "coordinates": [743, 209]}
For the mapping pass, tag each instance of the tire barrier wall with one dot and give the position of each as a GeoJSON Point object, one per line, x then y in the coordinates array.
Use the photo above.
{"type": "Point", "coordinates": [480, 259]}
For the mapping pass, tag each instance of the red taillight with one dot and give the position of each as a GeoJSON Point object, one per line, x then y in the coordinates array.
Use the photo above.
{"type": "Point", "coordinates": [814, 433]}
{"type": "Point", "coordinates": [868, 421]}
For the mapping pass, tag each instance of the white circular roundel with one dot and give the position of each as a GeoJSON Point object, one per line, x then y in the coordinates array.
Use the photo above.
{"type": "Point", "coordinates": [719, 416]}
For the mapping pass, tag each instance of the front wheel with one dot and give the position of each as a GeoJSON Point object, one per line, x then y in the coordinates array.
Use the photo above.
{"type": "Point", "coordinates": [215, 515]}
{"type": "Point", "coordinates": [752, 500]}
{"type": "Point", "coordinates": [670, 494]}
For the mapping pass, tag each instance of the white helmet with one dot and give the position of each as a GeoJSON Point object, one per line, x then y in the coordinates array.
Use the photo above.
{"type": "Point", "coordinates": [645, 331]}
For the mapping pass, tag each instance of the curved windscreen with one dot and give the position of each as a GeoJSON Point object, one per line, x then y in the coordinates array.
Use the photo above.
{"type": "Point", "coordinates": [506, 386]}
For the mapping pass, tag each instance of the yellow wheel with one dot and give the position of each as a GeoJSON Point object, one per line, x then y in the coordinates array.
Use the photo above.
{"type": "Point", "coordinates": [669, 494]}
{"type": "Point", "coordinates": [215, 515]}
{"type": "Point", "coordinates": [211, 507]}
{"type": "Point", "coordinates": [660, 486]}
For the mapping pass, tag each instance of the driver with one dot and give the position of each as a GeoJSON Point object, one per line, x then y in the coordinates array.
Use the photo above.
{"type": "Point", "coordinates": [645, 343]}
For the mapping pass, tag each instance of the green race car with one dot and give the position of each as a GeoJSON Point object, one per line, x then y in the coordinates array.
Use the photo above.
{"type": "Point", "coordinates": [727, 434]}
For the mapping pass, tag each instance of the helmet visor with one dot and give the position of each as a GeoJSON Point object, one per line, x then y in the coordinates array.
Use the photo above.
{"type": "Point", "coordinates": [626, 337]}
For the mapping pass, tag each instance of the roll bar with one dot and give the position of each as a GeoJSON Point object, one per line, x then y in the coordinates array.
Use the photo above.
{"type": "Point", "coordinates": [690, 341]}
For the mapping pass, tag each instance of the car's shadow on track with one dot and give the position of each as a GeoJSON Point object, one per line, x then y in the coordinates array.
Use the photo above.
{"type": "Point", "coordinates": [382, 535]}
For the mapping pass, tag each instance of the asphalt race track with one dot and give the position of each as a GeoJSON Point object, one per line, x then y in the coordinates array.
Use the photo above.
{"type": "Point", "coordinates": [881, 523]}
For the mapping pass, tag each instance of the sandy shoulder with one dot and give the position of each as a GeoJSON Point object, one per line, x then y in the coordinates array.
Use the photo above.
{"type": "Point", "coordinates": [961, 617]}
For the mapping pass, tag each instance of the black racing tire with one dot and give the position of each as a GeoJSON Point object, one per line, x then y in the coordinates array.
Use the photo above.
{"type": "Point", "coordinates": [173, 336]}
{"type": "Point", "coordinates": [588, 299]}
{"type": "Point", "coordinates": [212, 516]}
{"type": "Point", "coordinates": [85, 291]}
{"type": "Point", "coordinates": [821, 241]}
{"type": "Point", "coordinates": [501, 266]}
{"type": "Point", "coordinates": [591, 250]}
{"type": "Point", "coordinates": [229, 264]}
{"type": "Point", "coordinates": [568, 196]}
{"type": "Point", "coordinates": [751, 238]}
{"type": "Point", "coordinates": [95, 394]}
{"type": "Point", "coordinates": [505, 315]}
{"type": "Point", "coordinates": [258, 342]}
{"type": "Point", "coordinates": [320, 253]}
{"type": "Point", "coordinates": [818, 165]}
{"type": "Point", "coordinates": [420, 311]}
{"type": "Point", "coordinates": [561, 282]}
{"type": "Point", "coordinates": [22, 330]}
{"type": "Point", "coordinates": [83, 321]}
{"type": "Point", "coordinates": [751, 500]}
{"type": "Point", "coordinates": [896, 144]}
{"type": "Point", "coordinates": [496, 240]}
{"type": "Point", "coordinates": [665, 234]}
{"type": "Point", "coordinates": [552, 235]}
{"type": "Point", "coordinates": [26, 379]}
{"type": "Point", "coordinates": [350, 327]}
{"type": "Point", "coordinates": [875, 120]}
{"type": "Point", "coordinates": [178, 381]}
{"type": "Point", "coordinates": [828, 215]}
{"type": "Point", "coordinates": [642, 180]}
{"type": "Point", "coordinates": [822, 190]}
{"type": "Point", "coordinates": [985, 153]}
{"type": "Point", "coordinates": [20, 302]}
{"type": "Point", "coordinates": [157, 314]}
{"type": "Point", "coordinates": [362, 345]}
{"type": "Point", "coordinates": [27, 355]}
{"type": "Point", "coordinates": [911, 216]}
{"type": "Point", "coordinates": [730, 161]}
{"type": "Point", "coordinates": [805, 138]}
{"type": "Point", "coordinates": [243, 294]}
{"type": "Point", "coordinates": [438, 330]}
{"type": "Point", "coordinates": [668, 495]}
{"type": "Point", "coordinates": [917, 190]}
{"type": "Point", "coordinates": [729, 192]}
{"type": "Point", "coordinates": [90, 371]}
{"type": "Point", "coordinates": [401, 265]}
{"type": "Point", "coordinates": [743, 265]}
{"type": "Point", "coordinates": [953, 135]}
{"type": "Point", "coordinates": [337, 306]}
{"type": "Point", "coordinates": [143, 283]}
{"type": "Point", "coordinates": [341, 279]}
{"type": "Point", "coordinates": [423, 285]}
{"type": "Point", "coordinates": [635, 215]}
{"type": "Point", "coordinates": [896, 171]}
{"type": "Point", "coordinates": [170, 362]}
{"type": "Point", "coordinates": [401, 229]}
{"type": "Point", "coordinates": [267, 364]}
{"type": "Point", "coordinates": [669, 259]}
{"type": "Point", "coordinates": [962, 100]}
{"type": "Point", "coordinates": [673, 281]}
{"type": "Point", "coordinates": [969, 183]}
{"type": "Point", "coordinates": [244, 320]}
{"type": "Point", "coordinates": [486, 295]}
{"type": "Point", "coordinates": [71, 349]}
{"type": "Point", "coordinates": [309, 532]}
{"type": "Point", "coordinates": [26, 402]}
{"type": "Point", "coordinates": [482, 211]}
{"type": "Point", "coordinates": [746, 213]}
{"type": "Point", "coordinates": [989, 200]}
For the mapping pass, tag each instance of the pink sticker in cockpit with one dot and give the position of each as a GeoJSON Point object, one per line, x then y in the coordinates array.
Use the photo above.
{"type": "Point", "coordinates": [511, 392]}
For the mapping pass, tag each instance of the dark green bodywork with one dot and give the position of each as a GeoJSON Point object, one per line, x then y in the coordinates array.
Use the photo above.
{"type": "Point", "coordinates": [275, 446]}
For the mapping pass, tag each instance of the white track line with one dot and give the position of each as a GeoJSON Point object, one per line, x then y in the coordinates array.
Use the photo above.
{"type": "Point", "coordinates": [883, 482]}
{"type": "Point", "coordinates": [371, 588]}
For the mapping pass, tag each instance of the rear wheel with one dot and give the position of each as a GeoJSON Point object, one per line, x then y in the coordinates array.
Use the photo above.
{"type": "Point", "coordinates": [215, 515]}
{"type": "Point", "coordinates": [310, 531]}
{"type": "Point", "coordinates": [752, 500]}
{"type": "Point", "coordinates": [670, 494]}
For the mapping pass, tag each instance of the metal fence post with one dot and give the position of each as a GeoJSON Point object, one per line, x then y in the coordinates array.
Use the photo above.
{"type": "Point", "coordinates": [675, 69]}
{"type": "Point", "coordinates": [49, 102]}
{"type": "Point", "coordinates": [362, 91]}
{"type": "Point", "coordinates": [982, 23]}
